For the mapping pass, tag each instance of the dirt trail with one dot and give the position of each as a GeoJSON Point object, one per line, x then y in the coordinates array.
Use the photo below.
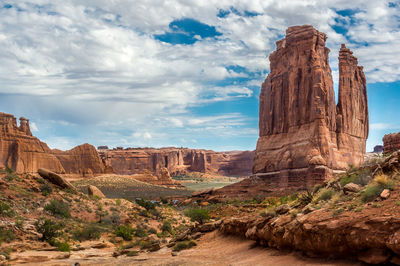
{"type": "Point", "coordinates": [213, 249]}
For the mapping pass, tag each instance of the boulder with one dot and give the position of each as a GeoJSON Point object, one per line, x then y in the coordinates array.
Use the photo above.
{"type": "Point", "coordinates": [56, 179]}
{"type": "Point", "coordinates": [385, 194]}
{"type": "Point", "coordinates": [94, 191]}
{"type": "Point", "coordinates": [351, 188]}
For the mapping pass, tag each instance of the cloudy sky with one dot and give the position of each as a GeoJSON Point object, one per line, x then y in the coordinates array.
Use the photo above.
{"type": "Point", "coordinates": [178, 72]}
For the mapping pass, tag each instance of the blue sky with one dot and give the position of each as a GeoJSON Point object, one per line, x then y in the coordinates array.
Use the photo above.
{"type": "Point", "coordinates": [176, 73]}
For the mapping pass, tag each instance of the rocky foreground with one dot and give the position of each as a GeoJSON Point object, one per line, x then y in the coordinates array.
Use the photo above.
{"type": "Point", "coordinates": [356, 216]}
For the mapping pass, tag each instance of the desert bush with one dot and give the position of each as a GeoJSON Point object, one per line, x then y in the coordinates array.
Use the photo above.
{"type": "Point", "coordinates": [184, 245]}
{"type": "Point", "coordinates": [197, 215]}
{"type": "Point", "coordinates": [6, 235]}
{"type": "Point", "coordinates": [166, 227]}
{"type": "Point", "coordinates": [5, 210]}
{"type": "Point", "coordinates": [384, 181]}
{"type": "Point", "coordinates": [148, 205]}
{"type": "Point", "coordinates": [357, 176]}
{"type": "Point", "coordinates": [306, 197]}
{"type": "Point", "coordinates": [48, 229]}
{"type": "Point", "coordinates": [132, 253]}
{"type": "Point", "coordinates": [58, 208]}
{"type": "Point", "coordinates": [118, 202]}
{"type": "Point", "coordinates": [140, 232]}
{"type": "Point", "coordinates": [88, 232]}
{"type": "Point", "coordinates": [371, 192]}
{"type": "Point", "coordinates": [46, 189]}
{"type": "Point", "coordinates": [62, 246]}
{"type": "Point", "coordinates": [326, 194]}
{"type": "Point", "coordinates": [124, 231]}
{"type": "Point", "coordinates": [10, 174]}
{"type": "Point", "coordinates": [152, 231]}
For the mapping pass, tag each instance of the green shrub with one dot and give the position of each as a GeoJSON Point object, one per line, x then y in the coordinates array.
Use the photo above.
{"type": "Point", "coordinates": [152, 231]}
{"type": "Point", "coordinates": [148, 205]}
{"type": "Point", "coordinates": [6, 235]}
{"type": "Point", "coordinates": [197, 215]}
{"type": "Point", "coordinates": [326, 194]}
{"type": "Point", "coordinates": [118, 202]}
{"type": "Point", "coordinates": [184, 245]}
{"type": "Point", "coordinates": [88, 232]}
{"type": "Point", "coordinates": [371, 192]}
{"type": "Point", "coordinates": [10, 174]}
{"type": "Point", "coordinates": [306, 198]}
{"type": "Point", "coordinates": [46, 189]}
{"type": "Point", "coordinates": [132, 253]}
{"type": "Point", "coordinates": [166, 227]}
{"type": "Point", "coordinates": [48, 229]}
{"type": "Point", "coordinates": [124, 231]}
{"type": "Point", "coordinates": [58, 208]}
{"type": "Point", "coordinates": [63, 246]}
{"type": "Point", "coordinates": [5, 210]}
{"type": "Point", "coordinates": [140, 232]}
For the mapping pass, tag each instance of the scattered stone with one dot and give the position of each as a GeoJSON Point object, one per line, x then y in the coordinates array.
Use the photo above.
{"type": "Point", "coordinates": [282, 209]}
{"type": "Point", "coordinates": [95, 191]}
{"type": "Point", "coordinates": [174, 253]}
{"type": "Point", "coordinates": [118, 239]}
{"type": "Point", "coordinates": [197, 235]}
{"type": "Point", "coordinates": [202, 193]}
{"type": "Point", "coordinates": [204, 203]}
{"type": "Point", "coordinates": [385, 194]}
{"type": "Point", "coordinates": [351, 188]}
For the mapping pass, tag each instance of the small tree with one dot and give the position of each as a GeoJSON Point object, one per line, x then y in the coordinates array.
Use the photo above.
{"type": "Point", "coordinates": [197, 215]}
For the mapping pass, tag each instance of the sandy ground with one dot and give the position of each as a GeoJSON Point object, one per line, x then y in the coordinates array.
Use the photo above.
{"type": "Point", "coordinates": [213, 249]}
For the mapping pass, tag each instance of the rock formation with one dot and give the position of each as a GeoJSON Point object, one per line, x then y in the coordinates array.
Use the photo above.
{"type": "Point", "coordinates": [178, 161]}
{"type": "Point", "coordinates": [391, 142]}
{"type": "Point", "coordinates": [56, 179]}
{"type": "Point", "coordinates": [304, 137]}
{"type": "Point", "coordinates": [378, 148]}
{"type": "Point", "coordinates": [20, 150]}
{"type": "Point", "coordinates": [82, 160]}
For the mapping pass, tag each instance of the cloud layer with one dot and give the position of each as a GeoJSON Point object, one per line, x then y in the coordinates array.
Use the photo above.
{"type": "Point", "coordinates": [98, 71]}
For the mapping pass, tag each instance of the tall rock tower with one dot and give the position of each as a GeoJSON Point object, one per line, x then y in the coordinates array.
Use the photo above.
{"type": "Point", "coordinates": [304, 136]}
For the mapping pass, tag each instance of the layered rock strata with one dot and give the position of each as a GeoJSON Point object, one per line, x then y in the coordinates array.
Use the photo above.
{"type": "Point", "coordinates": [21, 151]}
{"type": "Point", "coordinates": [304, 136]}
{"type": "Point", "coordinates": [178, 161]}
{"type": "Point", "coordinates": [391, 143]}
{"type": "Point", "coordinates": [26, 153]}
{"type": "Point", "coordinates": [82, 160]}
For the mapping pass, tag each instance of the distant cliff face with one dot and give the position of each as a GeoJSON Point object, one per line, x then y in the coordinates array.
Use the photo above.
{"type": "Point", "coordinates": [391, 142]}
{"type": "Point", "coordinates": [178, 161]}
{"type": "Point", "coordinates": [21, 151]}
{"type": "Point", "coordinates": [82, 160]}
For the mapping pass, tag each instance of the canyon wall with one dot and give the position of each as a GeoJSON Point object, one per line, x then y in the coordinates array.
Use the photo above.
{"type": "Point", "coordinates": [304, 137]}
{"type": "Point", "coordinates": [21, 151]}
{"type": "Point", "coordinates": [178, 161]}
{"type": "Point", "coordinates": [82, 160]}
{"type": "Point", "coordinates": [26, 154]}
{"type": "Point", "coordinates": [391, 142]}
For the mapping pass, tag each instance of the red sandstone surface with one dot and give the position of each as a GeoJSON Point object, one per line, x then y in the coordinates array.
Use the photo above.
{"type": "Point", "coordinates": [391, 142]}
{"type": "Point", "coordinates": [304, 136]}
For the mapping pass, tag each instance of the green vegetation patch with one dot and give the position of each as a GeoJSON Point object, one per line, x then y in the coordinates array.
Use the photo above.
{"type": "Point", "coordinates": [58, 208]}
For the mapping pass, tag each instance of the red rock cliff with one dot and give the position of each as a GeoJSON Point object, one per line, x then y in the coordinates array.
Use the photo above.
{"type": "Point", "coordinates": [178, 161]}
{"type": "Point", "coordinates": [391, 142]}
{"type": "Point", "coordinates": [304, 136]}
{"type": "Point", "coordinates": [21, 151]}
{"type": "Point", "coordinates": [82, 160]}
